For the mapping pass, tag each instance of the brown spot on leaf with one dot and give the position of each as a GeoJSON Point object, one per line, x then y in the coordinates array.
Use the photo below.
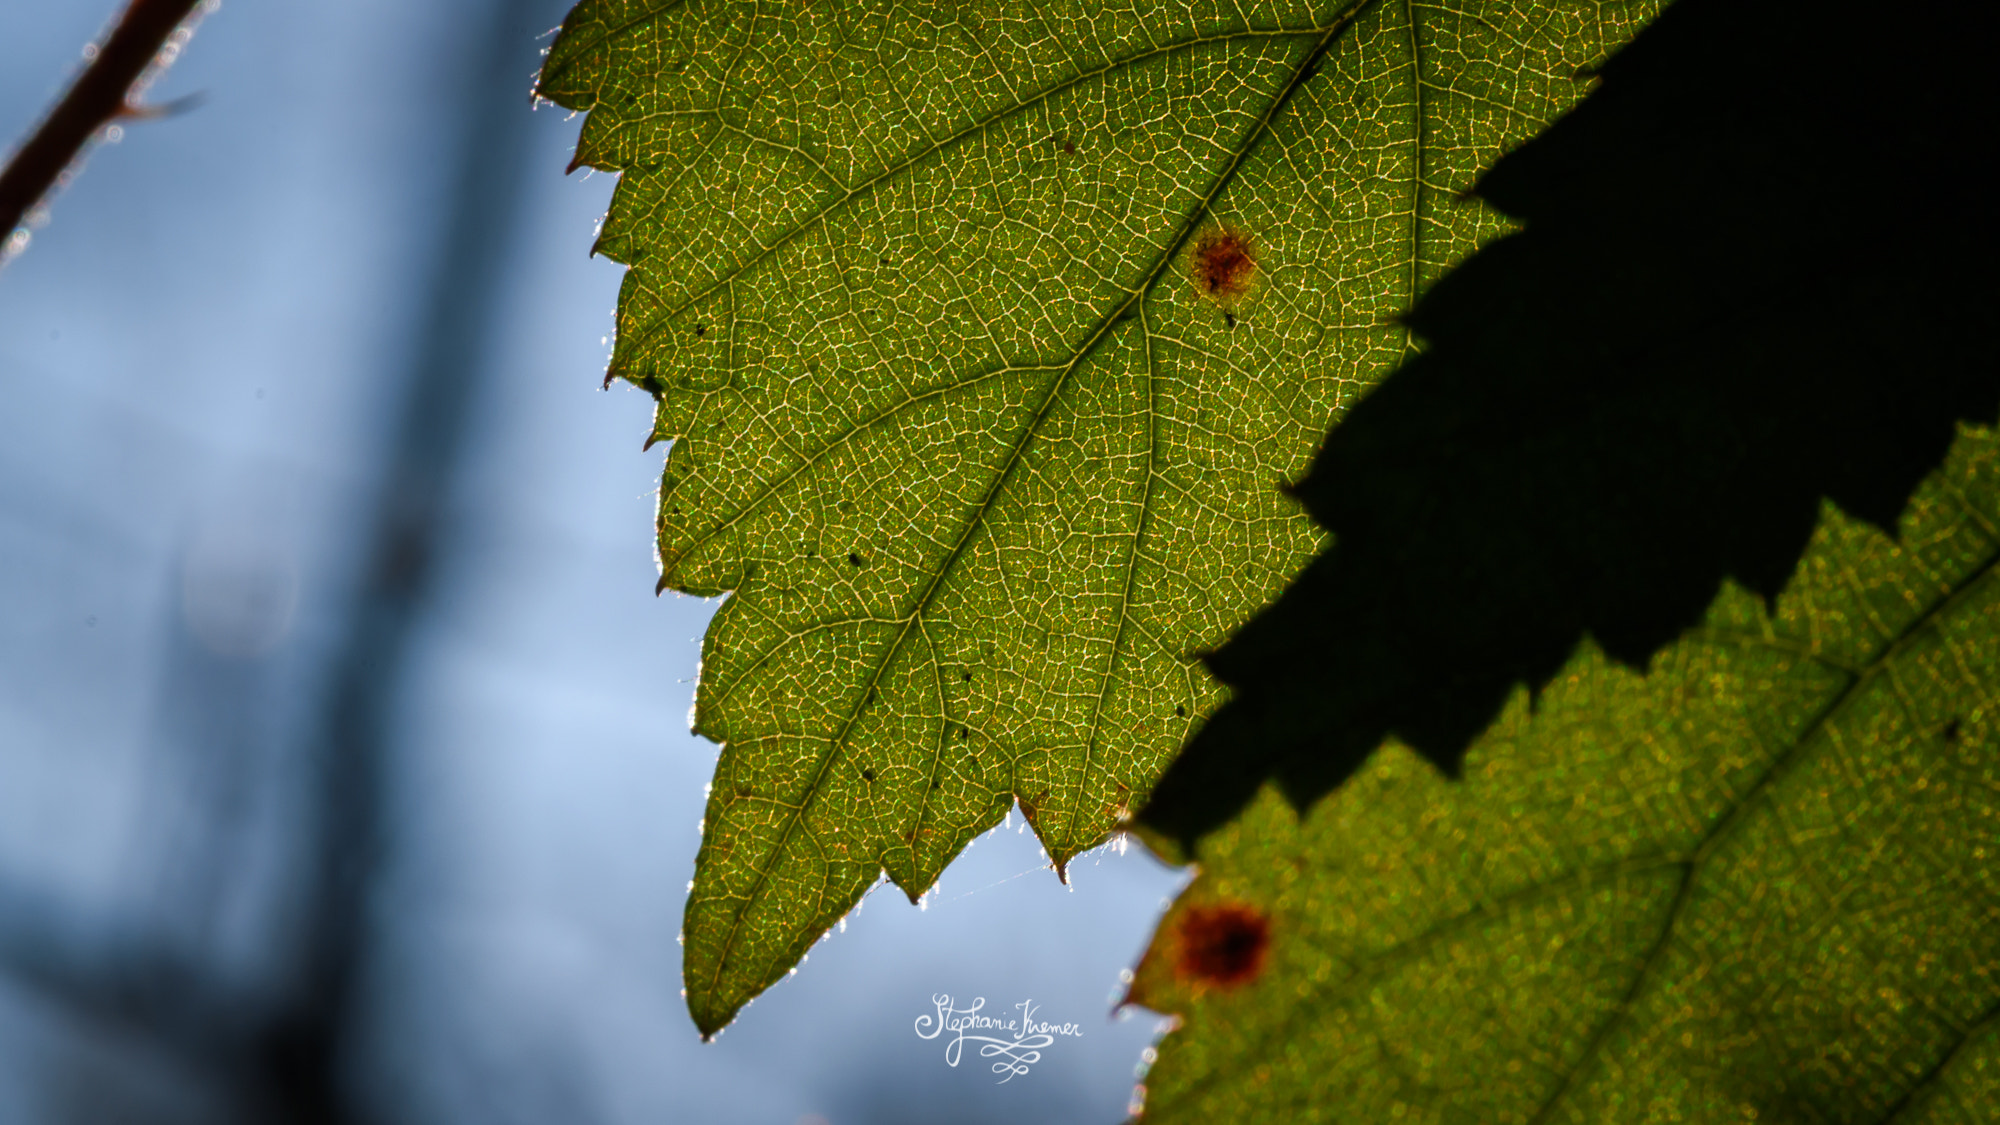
{"type": "Point", "coordinates": [1224, 265]}
{"type": "Point", "coordinates": [1223, 944]}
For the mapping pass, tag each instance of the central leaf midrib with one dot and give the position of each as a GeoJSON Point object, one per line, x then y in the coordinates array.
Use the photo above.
{"type": "Point", "coordinates": [1341, 21]}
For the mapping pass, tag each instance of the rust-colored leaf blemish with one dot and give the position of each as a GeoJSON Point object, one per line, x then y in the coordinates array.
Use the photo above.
{"type": "Point", "coordinates": [1224, 265]}
{"type": "Point", "coordinates": [1223, 944]}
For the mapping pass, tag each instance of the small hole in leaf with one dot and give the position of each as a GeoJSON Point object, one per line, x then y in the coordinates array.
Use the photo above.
{"type": "Point", "coordinates": [1951, 730]}
{"type": "Point", "coordinates": [854, 558]}
{"type": "Point", "coordinates": [701, 329]}
{"type": "Point", "coordinates": [935, 786]}
{"type": "Point", "coordinates": [867, 775]}
{"type": "Point", "coordinates": [968, 677]}
{"type": "Point", "coordinates": [1180, 712]}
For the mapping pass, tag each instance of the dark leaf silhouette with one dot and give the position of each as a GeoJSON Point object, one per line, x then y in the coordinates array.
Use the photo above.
{"type": "Point", "coordinates": [1754, 273]}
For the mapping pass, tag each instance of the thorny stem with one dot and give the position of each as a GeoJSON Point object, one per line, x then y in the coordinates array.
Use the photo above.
{"type": "Point", "coordinates": [100, 96]}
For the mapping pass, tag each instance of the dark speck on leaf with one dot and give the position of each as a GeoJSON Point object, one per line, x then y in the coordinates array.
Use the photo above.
{"type": "Point", "coordinates": [701, 329]}
{"type": "Point", "coordinates": [1180, 712]}
{"type": "Point", "coordinates": [1069, 147]}
{"type": "Point", "coordinates": [1223, 944]}
{"type": "Point", "coordinates": [867, 775]}
{"type": "Point", "coordinates": [1951, 731]}
{"type": "Point", "coordinates": [854, 558]}
{"type": "Point", "coordinates": [935, 786]}
{"type": "Point", "coordinates": [968, 677]}
{"type": "Point", "coordinates": [1229, 318]}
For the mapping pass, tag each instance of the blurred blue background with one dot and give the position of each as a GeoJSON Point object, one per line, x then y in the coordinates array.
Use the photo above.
{"type": "Point", "coordinates": [344, 772]}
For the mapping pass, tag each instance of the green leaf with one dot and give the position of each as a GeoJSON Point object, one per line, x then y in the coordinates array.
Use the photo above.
{"type": "Point", "coordinates": [985, 334]}
{"type": "Point", "coordinates": [1757, 883]}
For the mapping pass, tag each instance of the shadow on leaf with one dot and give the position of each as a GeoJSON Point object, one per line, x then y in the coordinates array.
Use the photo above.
{"type": "Point", "coordinates": [1753, 272]}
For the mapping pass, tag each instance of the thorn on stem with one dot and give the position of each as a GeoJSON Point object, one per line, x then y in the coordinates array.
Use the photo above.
{"type": "Point", "coordinates": [185, 104]}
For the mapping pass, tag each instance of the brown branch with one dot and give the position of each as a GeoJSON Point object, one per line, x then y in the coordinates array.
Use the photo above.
{"type": "Point", "coordinates": [98, 98]}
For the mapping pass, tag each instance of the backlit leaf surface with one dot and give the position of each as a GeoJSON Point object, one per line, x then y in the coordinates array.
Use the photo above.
{"type": "Point", "coordinates": [1757, 883]}
{"type": "Point", "coordinates": [985, 448]}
